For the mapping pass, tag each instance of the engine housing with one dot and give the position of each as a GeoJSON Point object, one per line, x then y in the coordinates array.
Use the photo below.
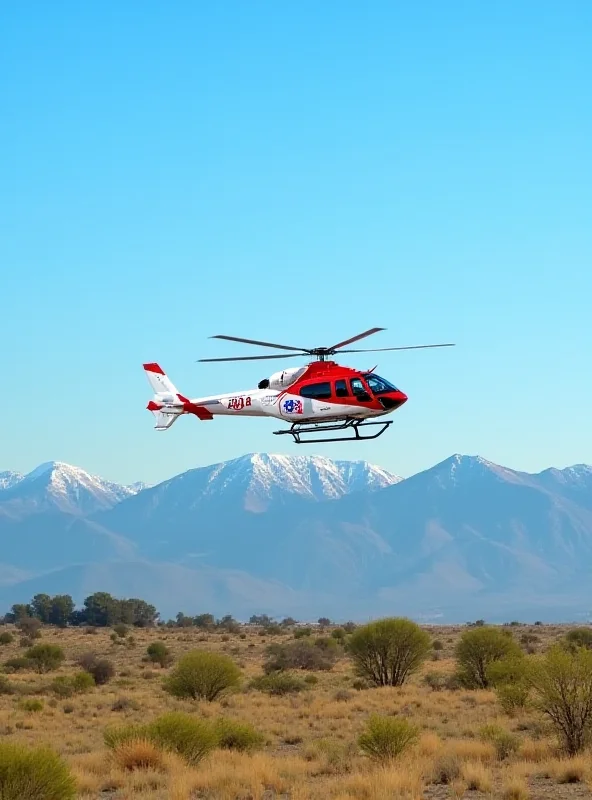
{"type": "Point", "coordinates": [281, 380]}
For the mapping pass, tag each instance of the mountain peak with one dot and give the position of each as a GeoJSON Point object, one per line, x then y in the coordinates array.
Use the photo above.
{"type": "Point", "coordinates": [462, 468]}
{"type": "Point", "coordinates": [9, 479]}
{"type": "Point", "coordinates": [60, 486]}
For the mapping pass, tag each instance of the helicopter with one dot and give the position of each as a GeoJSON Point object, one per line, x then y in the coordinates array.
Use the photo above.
{"type": "Point", "coordinates": [317, 398]}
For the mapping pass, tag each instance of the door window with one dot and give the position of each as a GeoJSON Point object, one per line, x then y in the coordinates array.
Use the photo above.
{"type": "Point", "coordinates": [341, 389]}
{"type": "Point", "coordinates": [317, 391]}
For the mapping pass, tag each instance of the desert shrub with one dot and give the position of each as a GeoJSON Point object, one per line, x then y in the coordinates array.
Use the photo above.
{"type": "Point", "coordinates": [477, 649]}
{"type": "Point", "coordinates": [339, 634]}
{"type": "Point", "coordinates": [385, 738]}
{"type": "Point", "coordinates": [235, 735]}
{"type": "Point", "coordinates": [436, 681]}
{"type": "Point", "coordinates": [6, 638]}
{"type": "Point", "coordinates": [513, 697]}
{"type": "Point", "coordinates": [190, 737]}
{"type": "Point", "coordinates": [508, 676]}
{"type": "Point", "coordinates": [159, 653]}
{"type": "Point", "coordinates": [125, 704]}
{"type": "Point", "coordinates": [203, 675]}
{"type": "Point", "coordinates": [115, 736]}
{"type": "Point", "coordinates": [562, 681]}
{"type": "Point", "coordinates": [120, 630]}
{"type": "Point", "coordinates": [101, 669]}
{"type": "Point", "coordinates": [505, 742]}
{"type": "Point", "coordinates": [6, 686]}
{"type": "Point", "coordinates": [34, 774]}
{"type": "Point", "coordinates": [437, 645]}
{"type": "Point", "coordinates": [447, 768]}
{"type": "Point", "coordinates": [138, 754]}
{"type": "Point", "coordinates": [68, 685]}
{"type": "Point", "coordinates": [45, 657]}
{"type": "Point", "coordinates": [579, 637]}
{"type": "Point", "coordinates": [30, 626]}
{"type": "Point", "coordinates": [30, 704]}
{"type": "Point", "coordinates": [389, 651]}
{"type": "Point", "coordinates": [82, 681]}
{"type": "Point", "coordinates": [274, 629]}
{"type": "Point", "coordinates": [17, 664]}
{"type": "Point", "coordinates": [300, 655]}
{"type": "Point", "coordinates": [62, 686]}
{"type": "Point", "coordinates": [302, 633]}
{"type": "Point", "coordinates": [278, 683]}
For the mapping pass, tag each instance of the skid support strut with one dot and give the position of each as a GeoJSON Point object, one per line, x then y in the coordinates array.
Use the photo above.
{"type": "Point", "coordinates": [299, 429]}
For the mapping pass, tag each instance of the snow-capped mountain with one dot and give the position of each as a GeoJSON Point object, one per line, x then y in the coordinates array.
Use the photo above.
{"type": "Point", "coordinates": [262, 477]}
{"type": "Point", "coordinates": [306, 535]}
{"type": "Point", "coordinates": [9, 479]}
{"type": "Point", "coordinates": [62, 487]}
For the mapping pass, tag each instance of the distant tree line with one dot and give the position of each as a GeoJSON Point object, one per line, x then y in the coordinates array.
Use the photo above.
{"type": "Point", "coordinates": [98, 610]}
{"type": "Point", "coordinates": [102, 610]}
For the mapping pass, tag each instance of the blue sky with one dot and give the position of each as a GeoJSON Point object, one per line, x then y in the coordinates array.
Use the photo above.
{"type": "Point", "coordinates": [295, 172]}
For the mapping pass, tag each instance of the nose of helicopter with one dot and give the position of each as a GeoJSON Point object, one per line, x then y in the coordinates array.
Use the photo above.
{"type": "Point", "coordinates": [393, 400]}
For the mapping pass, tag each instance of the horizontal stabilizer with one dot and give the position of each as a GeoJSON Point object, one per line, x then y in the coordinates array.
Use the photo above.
{"type": "Point", "coordinates": [164, 420]}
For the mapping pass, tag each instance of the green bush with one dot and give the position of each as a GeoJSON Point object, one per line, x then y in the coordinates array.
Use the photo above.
{"type": "Point", "coordinates": [235, 735]}
{"type": "Point", "coordinates": [385, 738]}
{"type": "Point", "coordinates": [579, 637]}
{"type": "Point", "coordinates": [513, 697]}
{"type": "Point", "coordinates": [508, 677]}
{"type": "Point", "coordinates": [279, 683]}
{"type": "Point", "coordinates": [82, 682]}
{"type": "Point", "coordinates": [190, 737]}
{"type": "Point", "coordinates": [159, 653]}
{"type": "Point", "coordinates": [477, 649]}
{"type": "Point", "coordinates": [45, 657]}
{"type": "Point", "coordinates": [203, 675]}
{"type": "Point", "coordinates": [506, 743]}
{"type": "Point", "coordinates": [562, 681]}
{"type": "Point", "coordinates": [30, 704]}
{"type": "Point", "coordinates": [17, 664]}
{"type": "Point", "coordinates": [302, 633]}
{"type": "Point", "coordinates": [389, 651]}
{"type": "Point", "coordinates": [120, 630]}
{"type": "Point", "coordinates": [6, 686]}
{"type": "Point", "coordinates": [6, 638]}
{"type": "Point", "coordinates": [33, 774]}
{"type": "Point", "coordinates": [68, 685]}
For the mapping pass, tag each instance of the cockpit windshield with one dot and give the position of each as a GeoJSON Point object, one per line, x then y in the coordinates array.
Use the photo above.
{"type": "Point", "coordinates": [378, 385]}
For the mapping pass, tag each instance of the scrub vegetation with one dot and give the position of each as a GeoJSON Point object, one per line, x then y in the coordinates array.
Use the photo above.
{"type": "Point", "coordinates": [204, 708]}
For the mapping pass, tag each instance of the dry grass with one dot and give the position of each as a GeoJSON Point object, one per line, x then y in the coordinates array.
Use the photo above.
{"type": "Point", "coordinates": [310, 745]}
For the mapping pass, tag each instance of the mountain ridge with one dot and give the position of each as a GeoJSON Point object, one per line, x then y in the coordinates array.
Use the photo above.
{"type": "Point", "coordinates": [345, 535]}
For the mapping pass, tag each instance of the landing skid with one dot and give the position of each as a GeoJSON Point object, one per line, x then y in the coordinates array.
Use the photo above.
{"type": "Point", "coordinates": [298, 429]}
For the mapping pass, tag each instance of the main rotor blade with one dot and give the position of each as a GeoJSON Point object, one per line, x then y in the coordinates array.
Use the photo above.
{"type": "Point", "coordinates": [261, 344]}
{"type": "Point", "coordinates": [412, 347]}
{"type": "Point", "coordinates": [356, 338]}
{"type": "Point", "coordinates": [255, 358]}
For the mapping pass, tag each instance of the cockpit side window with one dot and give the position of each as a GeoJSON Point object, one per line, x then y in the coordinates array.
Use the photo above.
{"type": "Point", "coordinates": [378, 385]}
{"type": "Point", "coordinates": [359, 390]}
